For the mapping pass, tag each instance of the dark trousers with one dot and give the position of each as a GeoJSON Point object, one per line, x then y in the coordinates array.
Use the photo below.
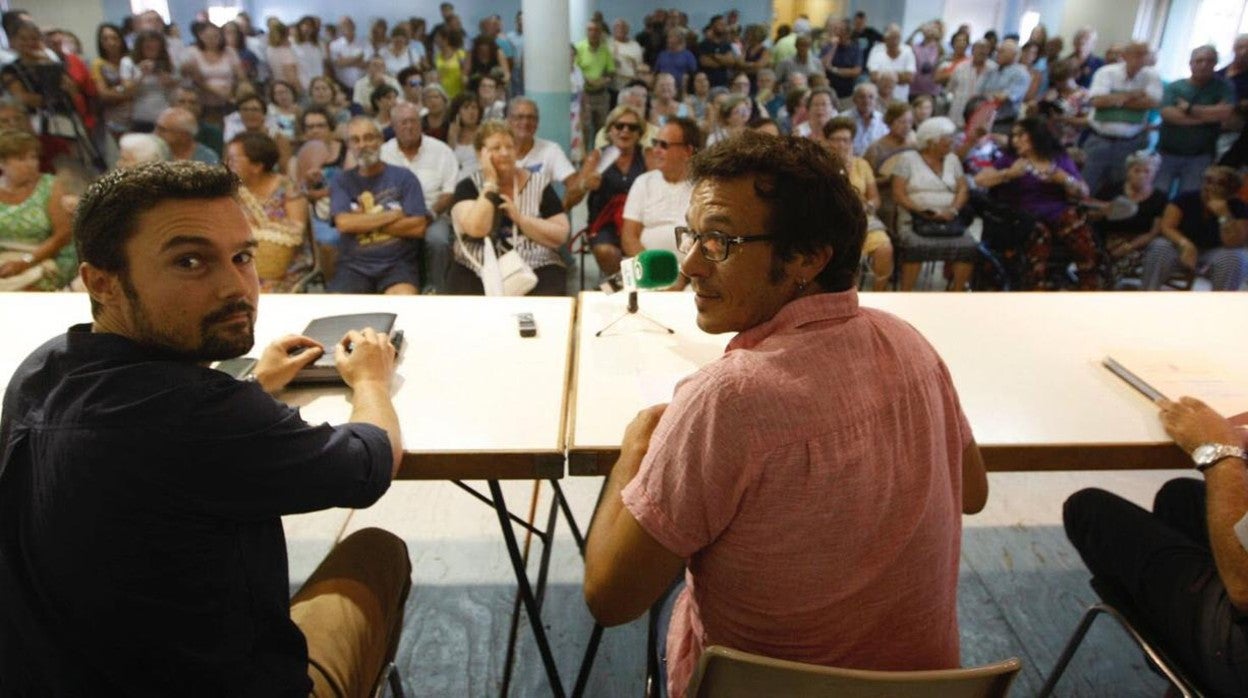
{"type": "Point", "coordinates": [1162, 562]}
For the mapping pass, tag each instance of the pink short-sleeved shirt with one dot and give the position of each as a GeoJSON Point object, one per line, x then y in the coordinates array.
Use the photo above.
{"type": "Point", "coordinates": [812, 476]}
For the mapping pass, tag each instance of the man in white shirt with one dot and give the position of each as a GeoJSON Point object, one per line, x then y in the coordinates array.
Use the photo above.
{"type": "Point", "coordinates": [658, 200]}
{"type": "Point", "coordinates": [626, 52]}
{"type": "Point", "coordinates": [540, 155]}
{"type": "Point", "coordinates": [347, 54]}
{"type": "Point", "coordinates": [965, 80]}
{"type": "Point", "coordinates": [870, 123]}
{"type": "Point", "coordinates": [1122, 95]}
{"type": "Point", "coordinates": [362, 89]}
{"type": "Point", "coordinates": [434, 164]}
{"type": "Point", "coordinates": [895, 56]}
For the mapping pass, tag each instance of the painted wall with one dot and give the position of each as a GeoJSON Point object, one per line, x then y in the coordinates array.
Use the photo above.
{"type": "Point", "coordinates": [81, 17]}
{"type": "Point", "coordinates": [1114, 21]}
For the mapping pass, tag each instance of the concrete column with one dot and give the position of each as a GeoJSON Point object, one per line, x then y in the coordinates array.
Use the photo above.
{"type": "Point", "coordinates": [547, 66]}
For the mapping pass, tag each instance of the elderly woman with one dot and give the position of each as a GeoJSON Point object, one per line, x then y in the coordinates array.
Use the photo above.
{"type": "Point", "coordinates": [141, 148]}
{"type": "Point", "coordinates": [276, 209]}
{"type": "Point", "coordinates": [820, 107]}
{"type": "Point", "coordinates": [1125, 238]}
{"type": "Point", "coordinates": [323, 93]}
{"type": "Point", "coordinates": [877, 248]}
{"type": "Point", "coordinates": [899, 118]}
{"type": "Point", "coordinates": [35, 249]}
{"type": "Point", "coordinates": [436, 123]}
{"type": "Point", "coordinates": [507, 207]}
{"type": "Point", "coordinates": [665, 104]}
{"type": "Point", "coordinates": [1037, 176]}
{"type": "Point", "coordinates": [608, 175]}
{"type": "Point", "coordinates": [931, 193]}
{"type": "Point", "coordinates": [731, 117]}
{"type": "Point", "coordinates": [1206, 231]}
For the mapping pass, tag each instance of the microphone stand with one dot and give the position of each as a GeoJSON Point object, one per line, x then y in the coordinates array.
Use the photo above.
{"type": "Point", "coordinates": [634, 310]}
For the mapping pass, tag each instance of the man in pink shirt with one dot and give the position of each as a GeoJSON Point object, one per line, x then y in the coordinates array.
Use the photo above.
{"type": "Point", "coordinates": [811, 481]}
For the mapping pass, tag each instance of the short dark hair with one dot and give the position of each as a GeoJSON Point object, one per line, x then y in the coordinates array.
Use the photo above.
{"type": "Point", "coordinates": [812, 204]}
{"type": "Point", "coordinates": [252, 97]}
{"type": "Point", "coordinates": [109, 211]}
{"type": "Point", "coordinates": [689, 131]}
{"type": "Point", "coordinates": [259, 148]}
{"type": "Point", "coordinates": [840, 123]}
{"type": "Point", "coordinates": [1043, 137]}
{"type": "Point", "coordinates": [379, 93]}
{"type": "Point", "coordinates": [320, 111]}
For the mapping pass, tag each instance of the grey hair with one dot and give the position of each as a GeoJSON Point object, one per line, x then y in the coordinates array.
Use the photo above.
{"type": "Point", "coordinates": [1143, 157]}
{"type": "Point", "coordinates": [932, 130]}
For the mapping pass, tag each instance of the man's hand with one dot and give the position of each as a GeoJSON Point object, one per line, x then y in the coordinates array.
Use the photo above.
{"type": "Point", "coordinates": [365, 356]}
{"type": "Point", "coordinates": [1191, 423]}
{"type": "Point", "coordinates": [277, 367]}
{"type": "Point", "coordinates": [1218, 207]}
{"type": "Point", "coordinates": [1188, 254]}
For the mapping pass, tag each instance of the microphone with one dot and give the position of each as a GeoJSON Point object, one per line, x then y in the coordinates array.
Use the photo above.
{"type": "Point", "coordinates": [648, 270]}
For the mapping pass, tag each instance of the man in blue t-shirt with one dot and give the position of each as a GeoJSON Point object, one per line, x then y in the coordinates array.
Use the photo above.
{"type": "Point", "coordinates": [380, 211]}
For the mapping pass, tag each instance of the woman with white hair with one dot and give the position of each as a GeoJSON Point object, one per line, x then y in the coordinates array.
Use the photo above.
{"type": "Point", "coordinates": [140, 149]}
{"type": "Point", "coordinates": [931, 194]}
{"type": "Point", "coordinates": [1125, 238]}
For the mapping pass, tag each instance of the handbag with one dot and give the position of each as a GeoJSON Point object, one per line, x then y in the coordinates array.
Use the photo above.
{"type": "Point", "coordinates": [505, 274]}
{"type": "Point", "coordinates": [932, 228]}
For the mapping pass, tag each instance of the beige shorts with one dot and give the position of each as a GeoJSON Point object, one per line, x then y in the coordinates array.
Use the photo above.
{"type": "Point", "coordinates": [875, 240]}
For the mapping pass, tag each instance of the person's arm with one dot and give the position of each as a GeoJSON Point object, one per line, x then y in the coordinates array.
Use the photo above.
{"type": "Point", "coordinates": [368, 369]}
{"type": "Point", "coordinates": [48, 249]}
{"type": "Point", "coordinates": [974, 480]}
{"type": "Point", "coordinates": [32, 100]}
{"type": "Point", "coordinates": [548, 232]}
{"type": "Point", "coordinates": [990, 177]}
{"type": "Point", "coordinates": [407, 226]}
{"type": "Point", "coordinates": [297, 213]}
{"type": "Point", "coordinates": [355, 223]}
{"type": "Point", "coordinates": [906, 75]}
{"type": "Point", "coordinates": [1233, 231]}
{"type": "Point", "coordinates": [630, 237]}
{"type": "Point", "coordinates": [901, 195]}
{"type": "Point", "coordinates": [475, 217]}
{"type": "Point", "coordinates": [626, 569]}
{"type": "Point", "coordinates": [871, 196]}
{"type": "Point", "coordinates": [1171, 218]}
{"type": "Point", "coordinates": [961, 196]}
{"type": "Point", "coordinates": [443, 203]}
{"type": "Point", "coordinates": [1191, 423]}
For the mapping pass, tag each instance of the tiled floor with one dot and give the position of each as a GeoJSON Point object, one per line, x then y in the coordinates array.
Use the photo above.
{"type": "Point", "coordinates": [1022, 589]}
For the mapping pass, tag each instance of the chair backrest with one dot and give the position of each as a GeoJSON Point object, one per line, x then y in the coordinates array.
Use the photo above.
{"type": "Point", "coordinates": [727, 673]}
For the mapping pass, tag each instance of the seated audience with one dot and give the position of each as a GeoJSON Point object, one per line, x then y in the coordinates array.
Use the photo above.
{"type": "Point", "coordinates": [380, 211]}
{"type": "Point", "coordinates": [436, 121]}
{"type": "Point", "coordinates": [461, 136]}
{"type": "Point", "coordinates": [177, 128]}
{"type": "Point", "coordinates": [658, 199]}
{"type": "Point", "coordinates": [877, 248]}
{"type": "Point", "coordinates": [869, 124]}
{"type": "Point", "coordinates": [1124, 239]}
{"type": "Point", "coordinates": [1183, 566]}
{"type": "Point", "coordinates": [820, 107]}
{"type": "Point", "coordinates": [382, 100]}
{"type": "Point", "coordinates": [506, 207]}
{"type": "Point", "coordinates": [1036, 175]}
{"type": "Point", "coordinates": [283, 109]}
{"type": "Point", "coordinates": [276, 211]}
{"type": "Point", "coordinates": [35, 249]}
{"type": "Point", "coordinates": [731, 116]}
{"type": "Point", "coordinates": [253, 117]}
{"type": "Point", "coordinates": [374, 78]}
{"type": "Point", "coordinates": [1204, 231]}
{"type": "Point", "coordinates": [140, 148]}
{"type": "Point", "coordinates": [609, 173]}
{"type": "Point", "coordinates": [665, 104]}
{"type": "Point", "coordinates": [323, 93]}
{"type": "Point", "coordinates": [930, 192]}
{"type": "Point", "coordinates": [757, 507]}
{"type": "Point", "coordinates": [143, 491]}
{"type": "Point", "coordinates": [899, 118]}
{"type": "Point", "coordinates": [491, 99]}
{"type": "Point", "coordinates": [1067, 106]}
{"type": "Point", "coordinates": [699, 96]}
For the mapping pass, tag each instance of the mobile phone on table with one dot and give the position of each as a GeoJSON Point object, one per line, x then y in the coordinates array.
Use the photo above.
{"type": "Point", "coordinates": [528, 326]}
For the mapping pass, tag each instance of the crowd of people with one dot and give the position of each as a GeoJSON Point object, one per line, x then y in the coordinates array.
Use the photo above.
{"type": "Point", "coordinates": [1014, 162]}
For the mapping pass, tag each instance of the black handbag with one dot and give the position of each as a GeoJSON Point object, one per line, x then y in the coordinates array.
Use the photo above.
{"type": "Point", "coordinates": [933, 228]}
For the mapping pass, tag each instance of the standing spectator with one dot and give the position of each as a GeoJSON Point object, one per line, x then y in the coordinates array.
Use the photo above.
{"type": "Point", "coordinates": [490, 99]}
{"type": "Point", "coordinates": [399, 53]}
{"type": "Point", "coordinates": [960, 43]}
{"type": "Point", "coordinates": [1086, 62]}
{"type": "Point", "coordinates": [437, 169]}
{"type": "Point", "coordinates": [35, 247]}
{"type": "Point", "coordinates": [927, 55]}
{"type": "Point", "coordinates": [486, 58]}
{"type": "Point", "coordinates": [715, 54]}
{"type": "Point", "coordinates": [308, 51]}
{"type": "Point", "coordinates": [376, 76]}
{"type": "Point", "coordinates": [869, 124]}
{"type": "Point", "coordinates": [215, 69]}
{"type": "Point", "coordinates": [1192, 112]}
{"type": "Point", "coordinates": [348, 55]}
{"type": "Point", "coordinates": [116, 79]}
{"type": "Point", "coordinates": [803, 61]}
{"type": "Point", "coordinates": [450, 60]}
{"type": "Point", "coordinates": [593, 58]}
{"type": "Point", "coordinates": [677, 60]}
{"type": "Point", "coordinates": [895, 56]}
{"type": "Point", "coordinates": [1007, 84]}
{"type": "Point", "coordinates": [754, 55]}
{"type": "Point", "coordinates": [1205, 231]}
{"type": "Point", "coordinates": [1122, 94]}
{"type": "Point", "coordinates": [865, 35]}
{"type": "Point", "coordinates": [1236, 73]}
{"type": "Point", "coordinates": [626, 53]}
{"type": "Point", "coordinates": [177, 128]}
{"type": "Point", "coordinates": [516, 38]}
{"type": "Point", "coordinates": [380, 211]}
{"type": "Point", "coordinates": [658, 200]}
{"type": "Point", "coordinates": [283, 62]}
{"type": "Point", "coordinates": [154, 81]}
{"type": "Point", "coordinates": [377, 32]}
{"type": "Point", "coordinates": [510, 208]}
{"type": "Point", "coordinates": [841, 57]}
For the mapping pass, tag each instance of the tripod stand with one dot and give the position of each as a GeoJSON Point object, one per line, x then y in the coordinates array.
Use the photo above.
{"type": "Point", "coordinates": [634, 311]}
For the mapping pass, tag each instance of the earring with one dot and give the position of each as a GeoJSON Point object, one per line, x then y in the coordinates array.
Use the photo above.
{"type": "Point", "coordinates": [801, 284]}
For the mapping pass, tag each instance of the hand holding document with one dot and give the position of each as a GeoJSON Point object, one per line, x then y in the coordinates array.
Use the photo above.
{"type": "Point", "coordinates": [1220, 383]}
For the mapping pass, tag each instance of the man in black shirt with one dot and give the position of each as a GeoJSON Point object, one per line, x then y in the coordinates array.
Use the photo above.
{"type": "Point", "coordinates": [715, 54]}
{"type": "Point", "coordinates": [141, 549]}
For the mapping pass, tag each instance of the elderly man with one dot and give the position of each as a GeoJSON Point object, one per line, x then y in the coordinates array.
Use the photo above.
{"type": "Point", "coordinates": [1192, 113]}
{"type": "Point", "coordinates": [380, 211]}
{"type": "Point", "coordinates": [896, 56]}
{"type": "Point", "coordinates": [965, 80]}
{"type": "Point", "coordinates": [208, 134]}
{"type": "Point", "coordinates": [868, 122]}
{"type": "Point", "coordinates": [1184, 565]}
{"type": "Point", "coordinates": [375, 77]}
{"type": "Point", "coordinates": [1007, 85]}
{"type": "Point", "coordinates": [658, 199]}
{"type": "Point", "coordinates": [141, 491]}
{"type": "Point", "coordinates": [1122, 95]}
{"type": "Point", "coordinates": [437, 169]}
{"type": "Point", "coordinates": [348, 55]}
{"type": "Point", "coordinates": [593, 57]}
{"type": "Point", "coordinates": [626, 52]}
{"type": "Point", "coordinates": [824, 458]}
{"type": "Point", "coordinates": [1085, 61]}
{"type": "Point", "coordinates": [540, 155]}
{"type": "Point", "coordinates": [177, 128]}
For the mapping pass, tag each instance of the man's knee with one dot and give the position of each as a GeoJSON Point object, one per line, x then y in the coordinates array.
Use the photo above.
{"type": "Point", "coordinates": [1080, 509]}
{"type": "Point", "coordinates": [1179, 494]}
{"type": "Point", "coordinates": [380, 545]}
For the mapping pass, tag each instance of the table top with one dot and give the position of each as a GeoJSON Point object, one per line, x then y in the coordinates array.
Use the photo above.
{"type": "Point", "coordinates": [1027, 367]}
{"type": "Point", "coordinates": [475, 400]}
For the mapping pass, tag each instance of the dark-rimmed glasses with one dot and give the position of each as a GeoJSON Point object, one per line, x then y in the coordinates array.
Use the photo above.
{"type": "Point", "coordinates": [716, 246]}
{"type": "Point", "coordinates": [660, 143]}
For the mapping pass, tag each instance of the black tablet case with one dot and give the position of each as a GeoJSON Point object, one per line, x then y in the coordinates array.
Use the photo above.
{"type": "Point", "coordinates": [329, 331]}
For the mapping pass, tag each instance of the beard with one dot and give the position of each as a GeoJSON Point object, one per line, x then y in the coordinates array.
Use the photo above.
{"type": "Point", "coordinates": [215, 341]}
{"type": "Point", "coordinates": [368, 157]}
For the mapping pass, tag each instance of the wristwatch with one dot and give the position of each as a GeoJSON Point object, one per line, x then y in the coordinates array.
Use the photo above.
{"type": "Point", "coordinates": [1209, 455]}
{"type": "Point", "coordinates": [28, 258]}
{"type": "Point", "coordinates": [1223, 220]}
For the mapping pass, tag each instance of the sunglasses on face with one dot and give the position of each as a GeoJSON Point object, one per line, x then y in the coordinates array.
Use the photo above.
{"type": "Point", "coordinates": [621, 126]}
{"type": "Point", "coordinates": [660, 143]}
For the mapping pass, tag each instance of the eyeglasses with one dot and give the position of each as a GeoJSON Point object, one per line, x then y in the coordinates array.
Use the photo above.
{"type": "Point", "coordinates": [523, 117]}
{"type": "Point", "coordinates": [716, 246]}
{"type": "Point", "coordinates": [660, 143]}
{"type": "Point", "coordinates": [315, 124]}
{"type": "Point", "coordinates": [622, 126]}
{"type": "Point", "coordinates": [414, 83]}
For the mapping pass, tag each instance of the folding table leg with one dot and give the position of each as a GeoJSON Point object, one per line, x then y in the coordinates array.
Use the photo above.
{"type": "Point", "coordinates": [531, 606]}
